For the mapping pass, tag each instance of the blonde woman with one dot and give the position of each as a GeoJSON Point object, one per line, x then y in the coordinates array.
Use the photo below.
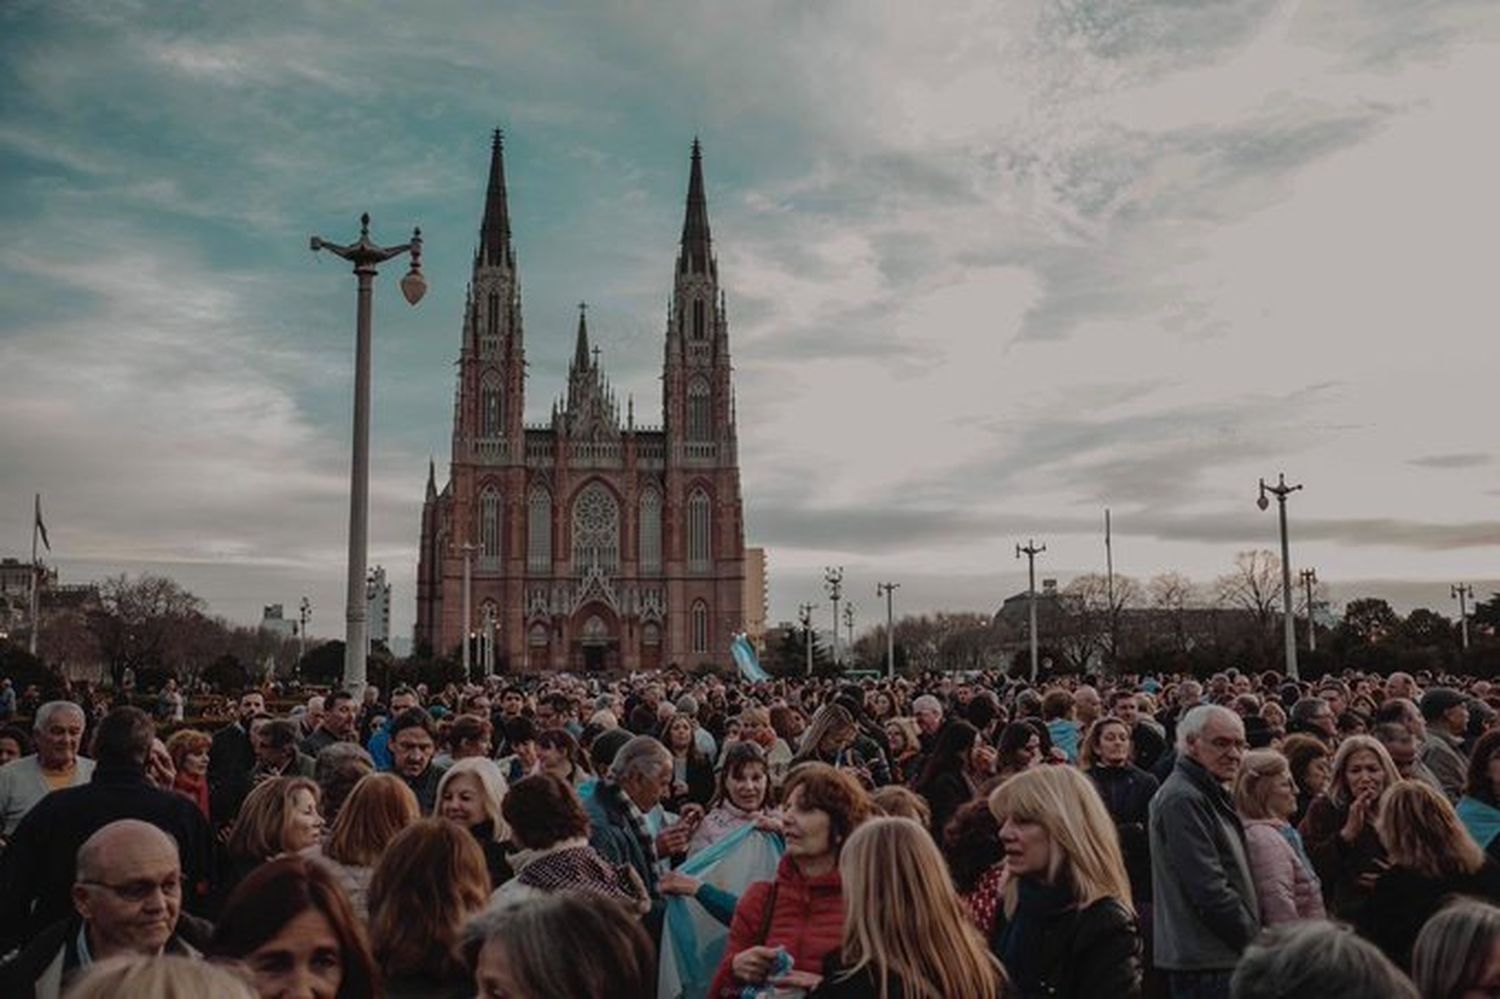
{"type": "Point", "coordinates": [1285, 883]}
{"type": "Point", "coordinates": [905, 932]}
{"type": "Point", "coordinates": [379, 807]}
{"type": "Point", "coordinates": [280, 816]}
{"type": "Point", "coordinates": [1339, 828]}
{"type": "Point", "coordinates": [471, 793]}
{"type": "Point", "coordinates": [1431, 857]}
{"type": "Point", "coordinates": [161, 976]}
{"type": "Point", "coordinates": [1066, 928]}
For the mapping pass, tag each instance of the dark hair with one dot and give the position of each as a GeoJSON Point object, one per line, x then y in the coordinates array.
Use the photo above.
{"type": "Point", "coordinates": [19, 736]}
{"type": "Point", "coordinates": [737, 756]}
{"type": "Point", "coordinates": [277, 892]}
{"type": "Point", "coordinates": [1013, 738]}
{"type": "Point", "coordinates": [402, 690]}
{"type": "Point", "coordinates": [971, 844]}
{"type": "Point", "coordinates": [428, 882]}
{"type": "Point", "coordinates": [413, 718]}
{"type": "Point", "coordinates": [1301, 751]}
{"type": "Point", "coordinates": [561, 738]}
{"type": "Point", "coordinates": [604, 747]}
{"type": "Point", "coordinates": [1057, 703]}
{"type": "Point", "coordinates": [1477, 785]}
{"type": "Point", "coordinates": [567, 944]}
{"type": "Point", "coordinates": [469, 728]}
{"type": "Point", "coordinates": [953, 742]}
{"type": "Point", "coordinates": [334, 697]}
{"type": "Point", "coordinates": [520, 729]}
{"type": "Point", "coordinates": [278, 733]}
{"type": "Point", "coordinates": [542, 810]}
{"type": "Point", "coordinates": [123, 738]}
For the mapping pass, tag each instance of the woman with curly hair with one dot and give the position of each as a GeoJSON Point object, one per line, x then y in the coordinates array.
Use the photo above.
{"type": "Point", "coordinates": [971, 845]}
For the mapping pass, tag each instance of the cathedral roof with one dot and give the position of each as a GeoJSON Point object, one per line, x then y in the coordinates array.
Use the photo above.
{"type": "Point", "coordinates": [696, 242]}
{"type": "Point", "coordinates": [494, 231]}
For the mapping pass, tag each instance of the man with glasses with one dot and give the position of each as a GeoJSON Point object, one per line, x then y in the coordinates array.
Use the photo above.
{"type": "Point", "coordinates": [1314, 716]}
{"type": "Point", "coordinates": [1205, 910]}
{"type": "Point", "coordinates": [127, 899]}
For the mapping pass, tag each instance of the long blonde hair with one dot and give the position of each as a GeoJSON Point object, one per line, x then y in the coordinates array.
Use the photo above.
{"type": "Point", "coordinates": [1421, 832]}
{"type": "Point", "coordinates": [260, 830]}
{"type": "Point", "coordinates": [903, 920]}
{"type": "Point", "coordinates": [1085, 845]}
{"type": "Point", "coordinates": [1338, 784]}
{"type": "Point", "coordinates": [165, 976]}
{"type": "Point", "coordinates": [492, 788]}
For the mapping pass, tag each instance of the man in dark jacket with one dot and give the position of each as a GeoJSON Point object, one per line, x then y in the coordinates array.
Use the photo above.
{"type": "Point", "coordinates": [230, 758]}
{"type": "Point", "coordinates": [37, 872]}
{"type": "Point", "coordinates": [127, 898]}
{"type": "Point", "coordinates": [413, 743]}
{"type": "Point", "coordinates": [1205, 909]}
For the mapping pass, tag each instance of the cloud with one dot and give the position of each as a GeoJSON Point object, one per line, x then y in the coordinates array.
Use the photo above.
{"type": "Point", "coordinates": [1471, 459]}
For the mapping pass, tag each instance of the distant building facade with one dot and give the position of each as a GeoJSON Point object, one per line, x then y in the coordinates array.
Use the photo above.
{"type": "Point", "coordinates": [755, 597]}
{"type": "Point", "coordinates": [378, 606]}
{"type": "Point", "coordinates": [273, 619]}
{"type": "Point", "coordinates": [595, 543]}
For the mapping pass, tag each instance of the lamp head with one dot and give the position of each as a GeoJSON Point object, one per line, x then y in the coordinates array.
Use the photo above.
{"type": "Point", "coordinates": [413, 285]}
{"type": "Point", "coordinates": [1262, 502]}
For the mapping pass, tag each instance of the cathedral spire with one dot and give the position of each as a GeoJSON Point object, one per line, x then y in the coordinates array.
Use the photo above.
{"type": "Point", "coordinates": [696, 248]}
{"type": "Point", "coordinates": [581, 349]}
{"type": "Point", "coordinates": [494, 232]}
{"type": "Point", "coordinates": [431, 480]}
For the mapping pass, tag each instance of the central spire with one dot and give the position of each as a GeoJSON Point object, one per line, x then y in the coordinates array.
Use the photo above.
{"type": "Point", "coordinates": [696, 248]}
{"type": "Point", "coordinates": [581, 348]}
{"type": "Point", "coordinates": [494, 231]}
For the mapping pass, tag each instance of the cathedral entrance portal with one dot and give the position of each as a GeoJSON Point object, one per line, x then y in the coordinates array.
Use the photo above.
{"type": "Point", "coordinates": [596, 646]}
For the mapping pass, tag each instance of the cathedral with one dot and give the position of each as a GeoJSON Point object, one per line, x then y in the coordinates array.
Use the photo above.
{"type": "Point", "coordinates": [590, 542]}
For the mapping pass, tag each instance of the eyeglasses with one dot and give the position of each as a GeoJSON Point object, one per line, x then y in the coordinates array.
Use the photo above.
{"type": "Point", "coordinates": [139, 891]}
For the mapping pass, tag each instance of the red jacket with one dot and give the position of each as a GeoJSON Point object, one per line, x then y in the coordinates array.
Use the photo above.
{"type": "Point", "coordinates": [808, 921]}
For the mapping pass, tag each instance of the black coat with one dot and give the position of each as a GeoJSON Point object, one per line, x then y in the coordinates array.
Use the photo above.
{"type": "Point", "coordinates": [20, 972]}
{"type": "Point", "coordinates": [36, 873]}
{"type": "Point", "coordinates": [1085, 953]}
{"type": "Point", "coordinates": [230, 760]}
{"type": "Point", "coordinates": [1127, 793]}
{"type": "Point", "coordinates": [1403, 900]}
{"type": "Point", "coordinates": [945, 792]}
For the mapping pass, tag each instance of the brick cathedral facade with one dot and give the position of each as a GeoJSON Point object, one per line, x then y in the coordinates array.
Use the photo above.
{"type": "Point", "coordinates": [595, 543]}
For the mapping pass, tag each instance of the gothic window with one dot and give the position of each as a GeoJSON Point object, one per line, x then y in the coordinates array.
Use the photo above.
{"type": "Point", "coordinates": [539, 530]}
{"type": "Point", "coordinates": [538, 635]}
{"type": "Point", "coordinates": [650, 635]}
{"type": "Point", "coordinates": [650, 531]}
{"type": "Point", "coordinates": [489, 524]}
{"type": "Point", "coordinates": [698, 319]}
{"type": "Point", "coordinates": [698, 531]}
{"type": "Point", "coordinates": [596, 530]}
{"type": "Point", "coordinates": [699, 418]}
{"type": "Point", "coordinates": [700, 626]}
{"type": "Point", "coordinates": [492, 316]}
{"type": "Point", "coordinates": [491, 407]}
{"type": "Point", "coordinates": [595, 630]}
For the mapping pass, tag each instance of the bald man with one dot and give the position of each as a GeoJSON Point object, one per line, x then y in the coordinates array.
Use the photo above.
{"type": "Point", "coordinates": [127, 899]}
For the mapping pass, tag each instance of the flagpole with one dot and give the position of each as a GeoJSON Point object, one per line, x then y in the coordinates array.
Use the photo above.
{"type": "Point", "coordinates": [36, 521]}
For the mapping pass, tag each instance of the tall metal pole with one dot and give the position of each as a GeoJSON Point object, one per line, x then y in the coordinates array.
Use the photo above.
{"type": "Point", "coordinates": [468, 628]}
{"type": "Point", "coordinates": [887, 590]}
{"type": "Point", "coordinates": [834, 580]}
{"type": "Point", "coordinates": [365, 256]}
{"type": "Point", "coordinates": [1031, 551]}
{"type": "Point", "coordinates": [304, 614]}
{"type": "Point", "coordinates": [849, 623]}
{"type": "Point", "coordinates": [804, 614]}
{"type": "Point", "coordinates": [1109, 589]}
{"type": "Point", "coordinates": [36, 573]}
{"type": "Point", "coordinates": [1281, 491]}
{"type": "Point", "coordinates": [1463, 592]}
{"type": "Point", "coordinates": [1309, 577]}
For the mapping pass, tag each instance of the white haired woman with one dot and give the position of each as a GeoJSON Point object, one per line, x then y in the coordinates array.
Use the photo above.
{"type": "Point", "coordinates": [1265, 797]}
{"type": "Point", "coordinates": [471, 794]}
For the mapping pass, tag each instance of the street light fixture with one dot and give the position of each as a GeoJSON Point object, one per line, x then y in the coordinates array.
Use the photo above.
{"type": "Point", "coordinates": [1281, 491]}
{"type": "Point", "coordinates": [887, 590]}
{"type": "Point", "coordinates": [804, 615]}
{"type": "Point", "coordinates": [833, 579]}
{"type": "Point", "coordinates": [365, 256]}
{"type": "Point", "coordinates": [1031, 551]}
{"type": "Point", "coordinates": [1463, 593]}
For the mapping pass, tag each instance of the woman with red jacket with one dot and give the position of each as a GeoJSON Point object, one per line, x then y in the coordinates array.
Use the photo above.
{"type": "Point", "coordinates": [803, 909]}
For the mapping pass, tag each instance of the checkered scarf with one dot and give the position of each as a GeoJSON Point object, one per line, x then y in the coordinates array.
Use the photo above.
{"type": "Point", "coordinates": [619, 799]}
{"type": "Point", "coordinates": [581, 868]}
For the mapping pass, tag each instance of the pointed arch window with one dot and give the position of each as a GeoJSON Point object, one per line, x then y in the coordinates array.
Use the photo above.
{"type": "Point", "coordinates": [491, 407]}
{"type": "Point", "coordinates": [650, 531]}
{"type": "Point", "coordinates": [539, 530]}
{"type": "Point", "coordinates": [699, 524]}
{"type": "Point", "coordinates": [700, 627]}
{"type": "Point", "coordinates": [596, 530]}
{"type": "Point", "coordinates": [699, 411]}
{"type": "Point", "coordinates": [490, 523]}
{"type": "Point", "coordinates": [699, 313]}
{"type": "Point", "coordinates": [492, 317]}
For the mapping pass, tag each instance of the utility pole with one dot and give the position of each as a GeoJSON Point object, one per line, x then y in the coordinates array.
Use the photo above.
{"type": "Point", "coordinates": [1462, 592]}
{"type": "Point", "coordinates": [886, 590]}
{"type": "Point", "coordinates": [1281, 491]}
{"type": "Point", "coordinates": [468, 549]}
{"type": "Point", "coordinates": [833, 579]}
{"type": "Point", "coordinates": [849, 624]}
{"type": "Point", "coordinates": [304, 615]}
{"type": "Point", "coordinates": [1309, 577]}
{"type": "Point", "coordinates": [1109, 590]}
{"type": "Point", "coordinates": [804, 614]}
{"type": "Point", "coordinates": [1031, 551]}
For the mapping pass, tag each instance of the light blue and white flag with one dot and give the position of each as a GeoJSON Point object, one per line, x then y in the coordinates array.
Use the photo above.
{"type": "Point", "coordinates": [746, 659]}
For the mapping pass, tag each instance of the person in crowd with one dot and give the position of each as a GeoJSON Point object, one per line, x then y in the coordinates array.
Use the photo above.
{"type": "Point", "coordinates": [430, 881]}
{"type": "Point", "coordinates": [1446, 714]}
{"type": "Point", "coordinates": [1316, 960]}
{"type": "Point", "coordinates": [1204, 909]}
{"type": "Point", "coordinates": [741, 797]}
{"type": "Point", "coordinates": [905, 749]}
{"type": "Point", "coordinates": [276, 752]}
{"type": "Point", "coordinates": [469, 737]}
{"type": "Point", "coordinates": [976, 860]}
{"type": "Point", "coordinates": [375, 812]}
{"type": "Point", "coordinates": [1058, 712]}
{"type": "Point", "coordinates": [928, 712]}
{"type": "Point", "coordinates": [1088, 706]}
{"type": "Point", "coordinates": [338, 724]}
{"type": "Point", "coordinates": [1479, 808]}
{"type": "Point", "coordinates": [1126, 790]}
{"type": "Point", "coordinates": [1339, 829]}
{"type": "Point", "coordinates": [692, 772]}
{"type": "Point", "coordinates": [126, 899]}
{"type": "Point", "coordinates": [550, 829]}
{"type": "Point", "coordinates": [903, 802]}
{"type": "Point", "coordinates": [1020, 748]}
{"type": "Point", "coordinates": [801, 910]}
{"type": "Point", "coordinates": [756, 727]}
{"type": "Point", "coordinates": [292, 928]}
{"type": "Point", "coordinates": [1285, 883]}
{"type": "Point", "coordinates": [189, 751]}
{"type": "Point", "coordinates": [564, 944]}
{"type": "Point", "coordinates": [1431, 857]}
{"type": "Point", "coordinates": [280, 816]}
{"type": "Point", "coordinates": [946, 781]}
{"type": "Point", "coordinates": [37, 869]}
{"type": "Point", "coordinates": [905, 932]}
{"type": "Point", "coordinates": [1406, 753]}
{"type": "Point", "coordinates": [338, 768]}
{"type": "Point", "coordinates": [1066, 927]}
{"type": "Point", "coordinates": [687, 707]}
{"type": "Point", "coordinates": [413, 744]}
{"type": "Point", "coordinates": [1313, 716]}
{"type": "Point", "coordinates": [403, 699]}
{"type": "Point", "coordinates": [58, 727]}
{"type": "Point", "coordinates": [639, 778]}
{"type": "Point", "coordinates": [1146, 738]}
{"type": "Point", "coordinates": [14, 744]}
{"type": "Point", "coordinates": [789, 722]}
{"type": "Point", "coordinates": [1457, 954]}
{"type": "Point", "coordinates": [7, 700]}
{"type": "Point", "coordinates": [160, 976]}
{"type": "Point", "coordinates": [829, 739]}
{"type": "Point", "coordinates": [231, 757]}
{"type": "Point", "coordinates": [1311, 764]}
{"type": "Point", "coordinates": [470, 794]}
{"type": "Point", "coordinates": [309, 718]}
{"type": "Point", "coordinates": [869, 738]}
{"type": "Point", "coordinates": [524, 759]}
{"type": "Point", "coordinates": [561, 756]}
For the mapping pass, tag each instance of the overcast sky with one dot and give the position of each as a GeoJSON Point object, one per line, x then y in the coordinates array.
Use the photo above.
{"type": "Point", "coordinates": [991, 267]}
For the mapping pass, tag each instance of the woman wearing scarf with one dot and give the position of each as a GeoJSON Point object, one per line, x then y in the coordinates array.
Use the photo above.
{"type": "Point", "coordinates": [189, 751]}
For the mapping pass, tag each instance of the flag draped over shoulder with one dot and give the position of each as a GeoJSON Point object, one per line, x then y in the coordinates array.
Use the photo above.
{"type": "Point", "coordinates": [692, 942]}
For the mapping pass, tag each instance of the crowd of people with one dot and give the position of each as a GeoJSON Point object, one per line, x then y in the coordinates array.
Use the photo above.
{"type": "Point", "coordinates": [940, 836]}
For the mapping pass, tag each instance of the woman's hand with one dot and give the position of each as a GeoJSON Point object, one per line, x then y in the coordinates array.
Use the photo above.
{"type": "Point", "coordinates": [753, 963]}
{"type": "Point", "coordinates": [677, 883]}
{"type": "Point", "coordinates": [769, 822]}
{"type": "Point", "coordinates": [805, 980]}
{"type": "Point", "coordinates": [1359, 814]}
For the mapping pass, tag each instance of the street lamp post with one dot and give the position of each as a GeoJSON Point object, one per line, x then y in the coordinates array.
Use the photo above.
{"type": "Point", "coordinates": [1309, 577]}
{"type": "Point", "coordinates": [1281, 491]}
{"type": "Point", "coordinates": [365, 256]}
{"type": "Point", "coordinates": [804, 614]}
{"type": "Point", "coordinates": [849, 624]}
{"type": "Point", "coordinates": [886, 590]}
{"type": "Point", "coordinates": [833, 579]}
{"type": "Point", "coordinates": [1031, 551]}
{"type": "Point", "coordinates": [468, 549]}
{"type": "Point", "coordinates": [304, 614]}
{"type": "Point", "coordinates": [1462, 592]}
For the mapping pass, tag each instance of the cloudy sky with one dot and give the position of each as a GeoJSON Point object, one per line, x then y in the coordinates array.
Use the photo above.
{"type": "Point", "coordinates": [991, 268]}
